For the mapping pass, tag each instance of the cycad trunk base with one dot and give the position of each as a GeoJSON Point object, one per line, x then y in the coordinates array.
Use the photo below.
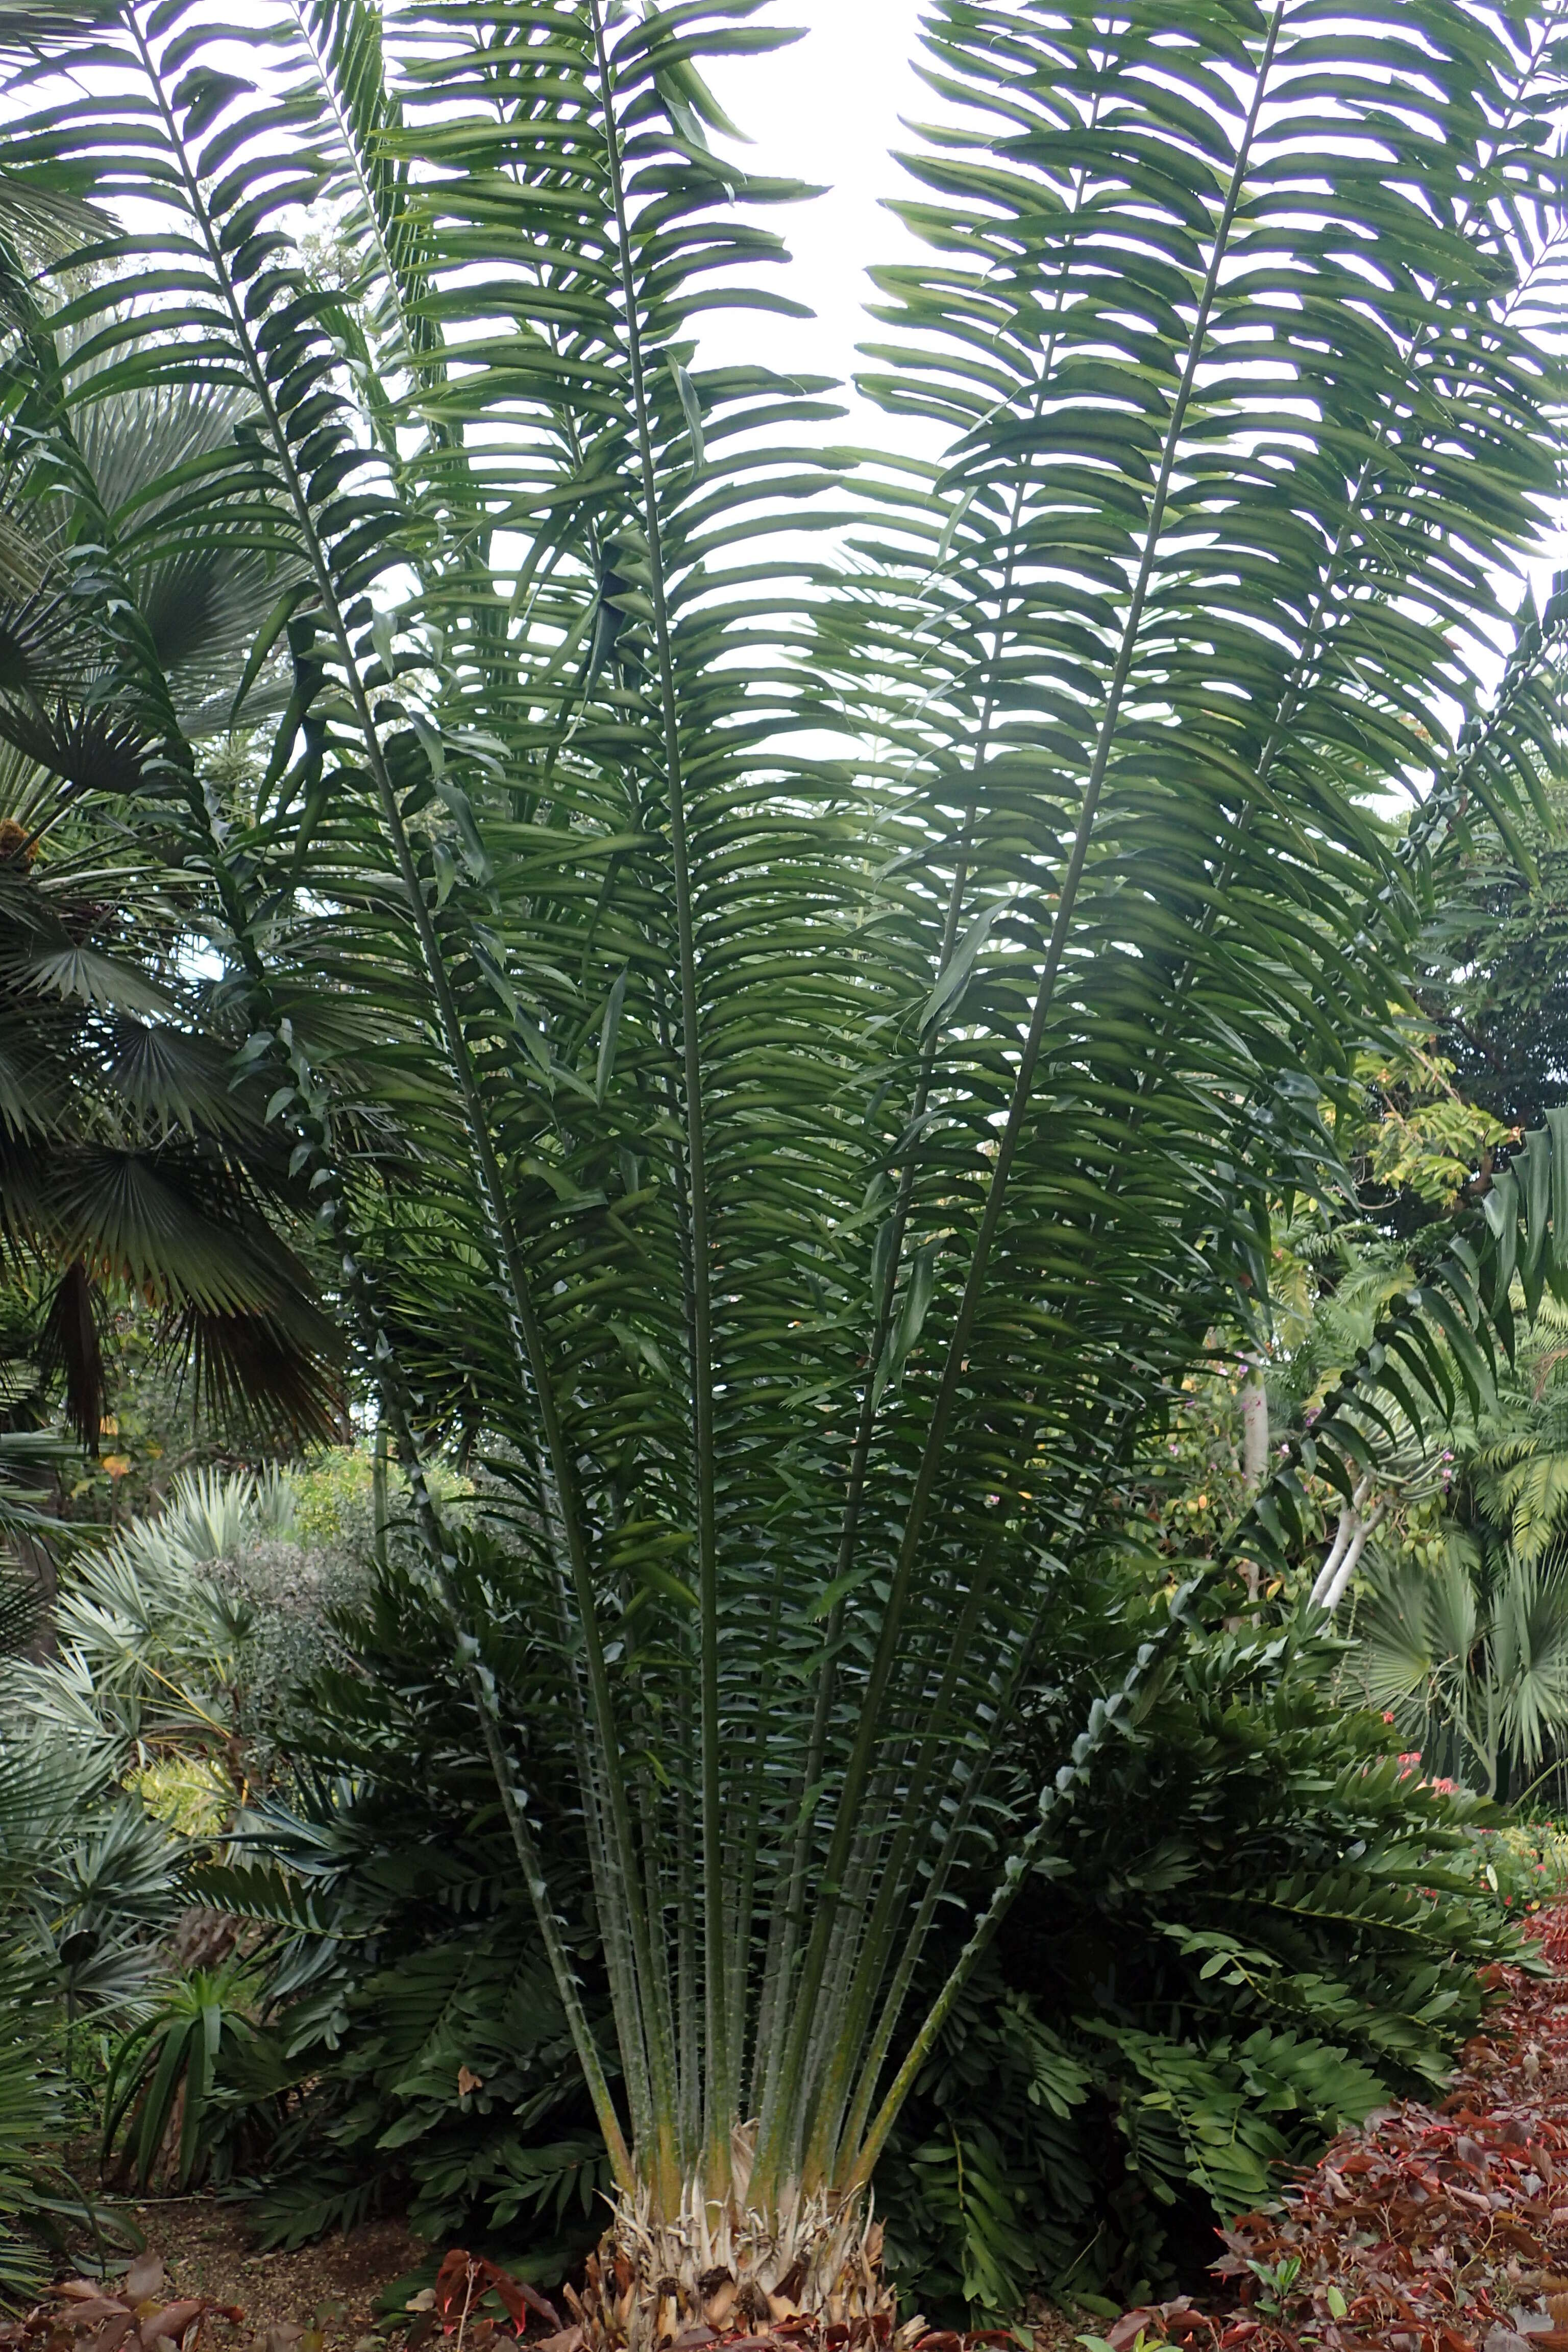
{"type": "Point", "coordinates": [797, 1054]}
{"type": "Point", "coordinates": [719, 2267]}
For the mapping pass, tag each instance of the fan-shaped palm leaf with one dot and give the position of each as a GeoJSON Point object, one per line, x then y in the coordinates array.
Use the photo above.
{"type": "Point", "coordinates": [127, 1156]}
{"type": "Point", "coordinates": [1471, 1658]}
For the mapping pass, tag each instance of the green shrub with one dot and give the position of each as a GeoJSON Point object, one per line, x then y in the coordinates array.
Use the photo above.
{"type": "Point", "coordinates": [414, 2037]}
{"type": "Point", "coordinates": [162, 2100]}
{"type": "Point", "coordinates": [182, 1639]}
{"type": "Point", "coordinates": [1261, 1925]}
{"type": "Point", "coordinates": [333, 1498]}
{"type": "Point", "coordinates": [88, 1887]}
{"type": "Point", "coordinates": [1525, 1863]}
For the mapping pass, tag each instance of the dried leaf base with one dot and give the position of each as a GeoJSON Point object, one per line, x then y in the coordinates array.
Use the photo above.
{"type": "Point", "coordinates": [810, 2274]}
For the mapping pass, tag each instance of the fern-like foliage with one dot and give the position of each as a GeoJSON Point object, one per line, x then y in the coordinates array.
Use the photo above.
{"type": "Point", "coordinates": [1518, 1460]}
{"type": "Point", "coordinates": [412, 2044]}
{"type": "Point", "coordinates": [1260, 1926]}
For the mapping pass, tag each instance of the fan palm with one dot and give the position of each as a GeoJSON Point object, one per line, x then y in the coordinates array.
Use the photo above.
{"type": "Point", "coordinates": [150, 1648]}
{"type": "Point", "coordinates": [1471, 1658]}
{"type": "Point", "coordinates": [127, 1158]}
{"type": "Point", "coordinates": [853, 947]}
{"type": "Point", "coordinates": [89, 1886]}
{"type": "Point", "coordinates": [28, 2111]}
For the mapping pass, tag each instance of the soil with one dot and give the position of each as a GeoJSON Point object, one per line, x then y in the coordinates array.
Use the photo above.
{"type": "Point", "coordinates": [339, 2285]}
{"type": "Point", "coordinates": [1059, 2331]}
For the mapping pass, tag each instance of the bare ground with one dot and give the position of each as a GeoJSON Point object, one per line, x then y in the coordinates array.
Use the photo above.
{"type": "Point", "coordinates": [336, 2284]}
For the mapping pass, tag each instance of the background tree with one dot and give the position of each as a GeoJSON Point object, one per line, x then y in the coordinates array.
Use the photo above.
{"type": "Point", "coordinates": [130, 1166]}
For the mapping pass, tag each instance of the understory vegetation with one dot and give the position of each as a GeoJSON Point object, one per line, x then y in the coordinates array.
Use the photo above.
{"type": "Point", "coordinates": [306, 1974]}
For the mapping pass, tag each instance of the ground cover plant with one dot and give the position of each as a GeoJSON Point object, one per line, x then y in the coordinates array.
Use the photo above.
{"type": "Point", "coordinates": [137, 1712]}
{"type": "Point", "coordinates": [795, 983]}
{"type": "Point", "coordinates": [138, 2311]}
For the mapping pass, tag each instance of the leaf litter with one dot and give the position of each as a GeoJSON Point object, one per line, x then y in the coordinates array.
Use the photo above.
{"type": "Point", "coordinates": [1426, 2229]}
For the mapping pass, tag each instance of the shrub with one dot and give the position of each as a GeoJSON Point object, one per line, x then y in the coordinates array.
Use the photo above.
{"type": "Point", "coordinates": [1261, 1925]}
{"type": "Point", "coordinates": [413, 2032]}
{"type": "Point", "coordinates": [183, 1638]}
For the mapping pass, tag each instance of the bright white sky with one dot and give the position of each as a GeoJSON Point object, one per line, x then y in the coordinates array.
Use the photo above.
{"type": "Point", "coordinates": [827, 110]}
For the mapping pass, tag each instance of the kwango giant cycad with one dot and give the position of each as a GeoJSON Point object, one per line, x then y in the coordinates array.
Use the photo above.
{"type": "Point", "coordinates": [793, 1048]}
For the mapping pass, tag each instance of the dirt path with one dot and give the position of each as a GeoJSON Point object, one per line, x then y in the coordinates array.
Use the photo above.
{"type": "Point", "coordinates": [332, 2288]}
{"type": "Point", "coordinates": [1427, 2230]}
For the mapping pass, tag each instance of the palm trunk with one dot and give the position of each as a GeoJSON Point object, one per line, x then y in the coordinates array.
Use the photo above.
{"type": "Point", "coordinates": [1255, 1429]}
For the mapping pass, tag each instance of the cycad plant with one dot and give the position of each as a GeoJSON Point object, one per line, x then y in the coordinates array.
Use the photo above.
{"type": "Point", "coordinates": [795, 979]}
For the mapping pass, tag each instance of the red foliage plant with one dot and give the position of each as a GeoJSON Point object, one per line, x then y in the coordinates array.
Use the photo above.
{"type": "Point", "coordinates": [1426, 2229]}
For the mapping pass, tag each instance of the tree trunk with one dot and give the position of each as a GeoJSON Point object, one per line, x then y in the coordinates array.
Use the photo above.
{"type": "Point", "coordinates": [1255, 1428]}
{"type": "Point", "coordinates": [378, 1496]}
